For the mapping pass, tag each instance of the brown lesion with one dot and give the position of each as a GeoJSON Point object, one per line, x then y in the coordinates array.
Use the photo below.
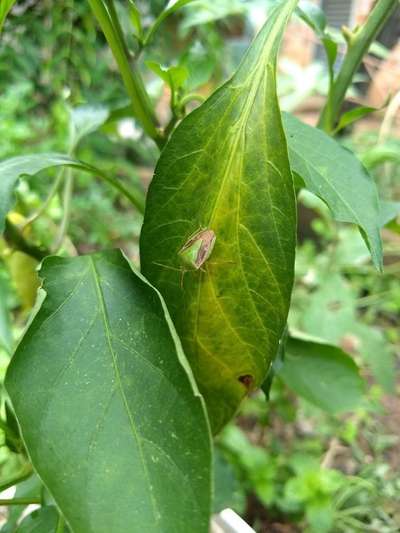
{"type": "Point", "coordinates": [247, 380]}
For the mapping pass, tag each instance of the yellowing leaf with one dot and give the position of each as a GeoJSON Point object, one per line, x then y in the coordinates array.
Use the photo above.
{"type": "Point", "coordinates": [226, 170]}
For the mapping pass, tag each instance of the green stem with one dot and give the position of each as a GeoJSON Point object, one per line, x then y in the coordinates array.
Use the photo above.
{"type": "Point", "coordinates": [43, 208]}
{"type": "Point", "coordinates": [359, 42]}
{"type": "Point", "coordinates": [20, 501]}
{"type": "Point", "coordinates": [67, 198]}
{"type": "Point", "coordinates": [105, 13]}
{"type": "Point", "coordinates": [191, 97]}
{"type": "Point", "coordinates": [26, 472]}
{"type": "Point", "coordinates": [135, 197]}
{"type": "Point", "coordinates": [15, 238]}
{"type": "Point", "coordinates": [60, 524]}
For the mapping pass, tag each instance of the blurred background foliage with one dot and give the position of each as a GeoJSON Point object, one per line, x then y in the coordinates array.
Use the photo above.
{"type": "Point", "coordinates": [291, 464]}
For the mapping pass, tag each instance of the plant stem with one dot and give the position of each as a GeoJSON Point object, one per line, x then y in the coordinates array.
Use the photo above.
{"type": "Point", "coordinates": [20, 501]}
{"type": "Point", "coordinates": [60, 524]}
{"type": "Point", "coordinates": [105, 13]}
{"type": "Point", "coordinates": [15, 238]}
{"type": "Point", "coordinates": [67, 198]}
{"type": "Point", "coordinates": [191, 97]}
{"type": "Point", "coordinates": [46, 203]}
{"type": "Point", "coordinates": [135, 197]}
{"type": "Point", "coordinates": [359, 42]}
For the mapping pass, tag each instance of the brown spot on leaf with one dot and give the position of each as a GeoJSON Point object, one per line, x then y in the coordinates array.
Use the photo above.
{"type": "Point", "coordinates": [247, 381]}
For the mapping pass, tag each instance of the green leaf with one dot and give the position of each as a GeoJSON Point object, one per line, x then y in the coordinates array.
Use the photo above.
{"type": "Point", "coordinates": [103, 395]}
{"type": "Point", "coordinates": [315, 17]}
{"type": "Point", "coordinates": [389, 211]}
{"type": "Point", "coordinates": [136, 18]}
{"type": "Point", "coordinates": [43, 520]}
{"type": "Point", "coordinates": [171, 8]}
{"type": "Point", "coordinates": [335, 175]}
{"type": "Point", "coordinates": [85, 120]}
{"type": "Point", "coordinates": [12, 169]}
{"type": "Point", "coordinates": [312, 15]}
{"type": "Point", "coordinates": [174, 76]}
{"type": "Point", "coordinates": [208, 11]}
{"type": "Point", "coordinates": [322, 374]}
{"type": "Point", "coordinates": [353, 115]}
{"type": "Point", "coordinates": [226, 169]}
{"type": "Point", "coordinates": [5, 6]}
{"type": "Point", "coordinates": [228, 491]}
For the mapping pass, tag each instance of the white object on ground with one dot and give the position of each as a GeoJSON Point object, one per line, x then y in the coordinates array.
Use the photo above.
{"type": "Point", "coordinates": [227, 521]}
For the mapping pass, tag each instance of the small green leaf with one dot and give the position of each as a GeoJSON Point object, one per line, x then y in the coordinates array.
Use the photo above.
{"type": "Point", "coordinates": [353, 115]}
{"type": "Point", "coordinates": [102, 392]}
{"type": "Point", "coordinates": [322, 374]}
{"type": "Point", "coordinates": [389, 211]}
{"type": "Point", "coordinates": [43, 520]}
{"type": "Point", "coordinates": [12, 169]}
{"type": "Point", "coordinates": [335, 175]}
{"type": "Point", "coordinates": [312, 15]}
{"type": "Point", "coordinates": [226, 169]}
{"type": "Point", "coordinates": [208, 11]}
{"type": "Point", "coordinates": [171, 8]}
{"type": "Point", "coordinates": [136, 18]}
{"type": "Point", "coordinates": [174, 76]}
{"type": "Point", "coordinates": [5, 6]}
{"type": "Point", "coordinates": [85, 120]}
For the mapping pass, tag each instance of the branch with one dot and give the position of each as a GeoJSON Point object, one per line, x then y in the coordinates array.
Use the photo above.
{"type": "Point", "coordinates": [106, 16]}
{"type": "Point", "coordinates": [15, 239]}
{"type": "Point", "coordinates": [358, 43]}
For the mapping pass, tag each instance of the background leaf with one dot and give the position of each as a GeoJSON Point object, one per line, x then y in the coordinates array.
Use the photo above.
{"type": "Point", "coordinates": [113, 410]}
{"type": "Point", "coordinates": [312, 15]}
{"type": "Point", "coordinates": [174, 76]}
{"type": "Point", "coordinates": [353, 115]}
{"type": "Point", "coordinates": [43, 520]}
{"type": "Point", "coordinates": [322, 374]}
{"type": "Point", "coordinates": [6, 339]}
{"type": "Point", "coordinates": [84, 120]}
{"type": "Point", "coordinates": [12, 169]}
{"type": "Point", "coordinates": [217, 173]}
{"type": "Point", "coordinates": [5, 6]}
{"type": "Point", "coordinates": [171, 8]}
{"type": "Point", "coordinates": [336, 176]}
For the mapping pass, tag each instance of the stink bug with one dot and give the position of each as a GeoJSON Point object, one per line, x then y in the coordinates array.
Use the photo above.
{"type": "Point", "coordinates": [198, 248]}
{"type": "Point", "coordinates": [195, 252]}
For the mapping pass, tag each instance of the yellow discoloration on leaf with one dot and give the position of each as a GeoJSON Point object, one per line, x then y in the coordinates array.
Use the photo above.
{"type": "Point", "coordinates": [226, 168]}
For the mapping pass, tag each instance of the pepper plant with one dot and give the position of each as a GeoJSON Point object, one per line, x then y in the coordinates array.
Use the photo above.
{"type": "Point", "coordinates": [122, 376]}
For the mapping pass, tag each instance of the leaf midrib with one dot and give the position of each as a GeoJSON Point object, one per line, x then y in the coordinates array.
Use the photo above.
{"type": "Point", "coordinates": [103, 312]}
